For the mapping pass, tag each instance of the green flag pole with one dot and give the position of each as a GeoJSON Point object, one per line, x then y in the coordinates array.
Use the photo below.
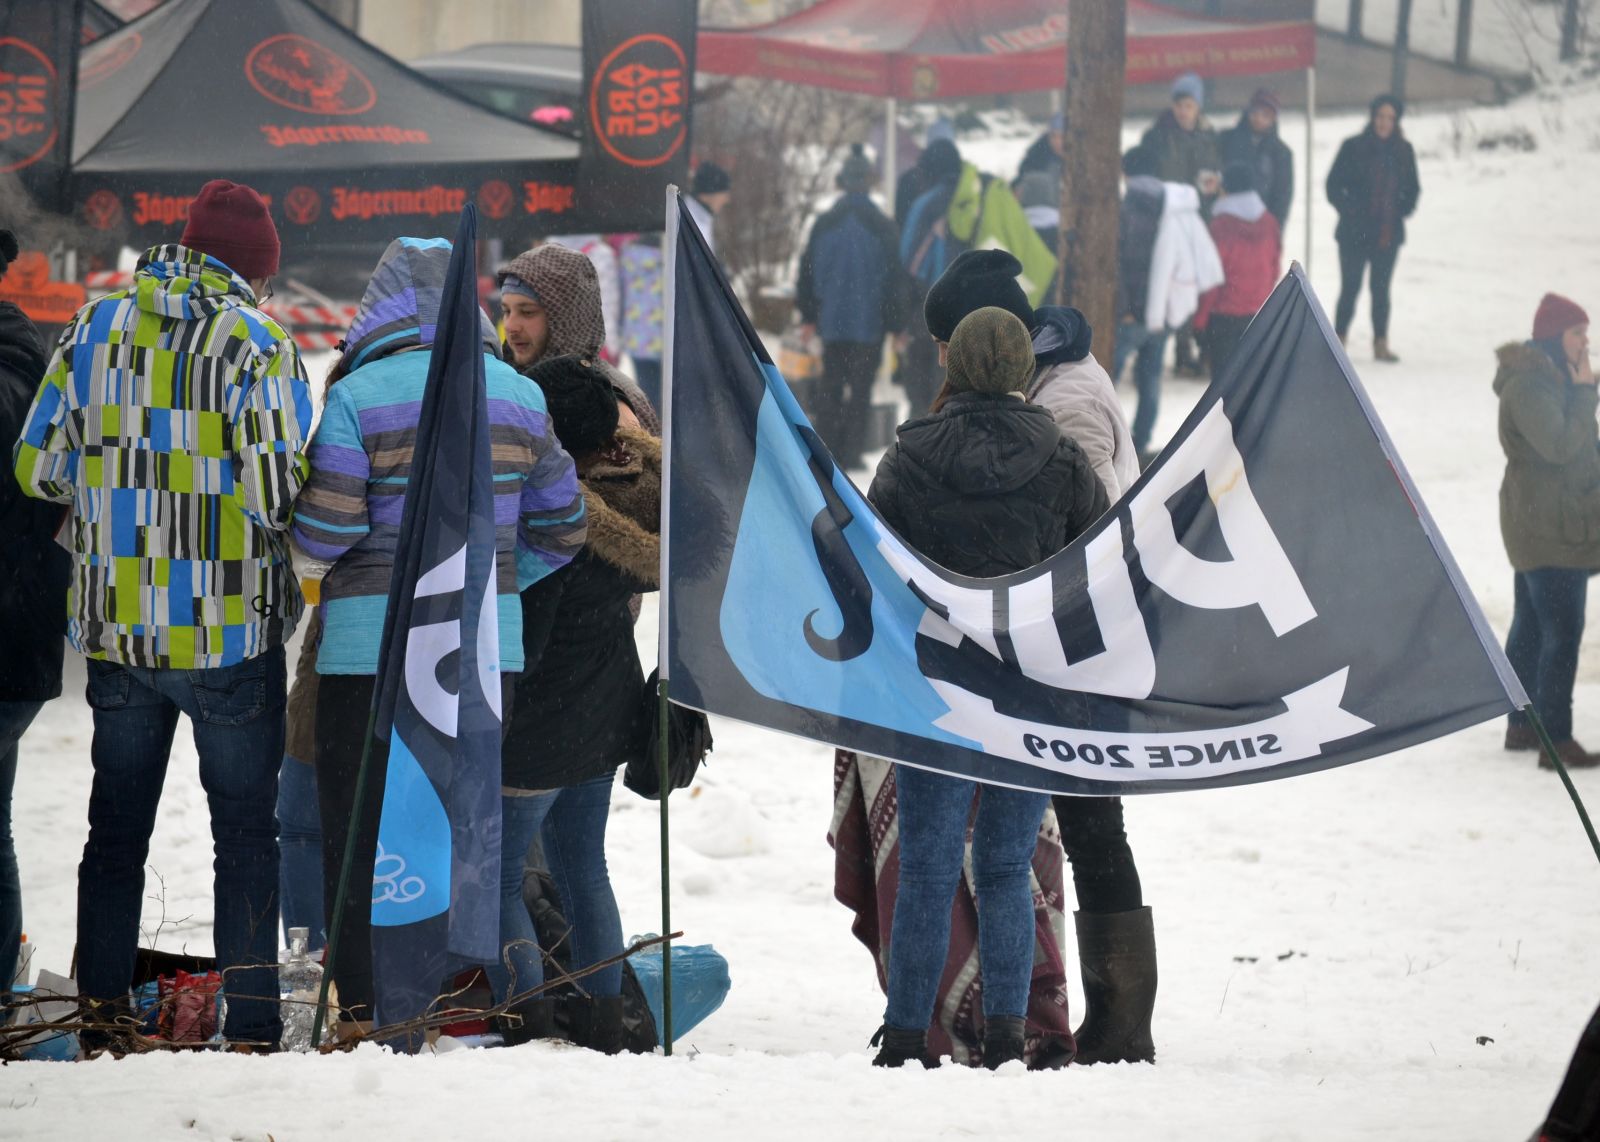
{"type": "Point", "coordinates": [1550, 752]}
{"type": "Point", "coordinates": [666, 884]}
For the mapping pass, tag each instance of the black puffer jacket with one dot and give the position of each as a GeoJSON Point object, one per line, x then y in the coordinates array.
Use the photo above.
{"type": "Point", "coordinates": [1271, 159]}
{"type": "Point", "coordinates": [33, 568]}
{"type": "Point", "coordinates": [986, 486]}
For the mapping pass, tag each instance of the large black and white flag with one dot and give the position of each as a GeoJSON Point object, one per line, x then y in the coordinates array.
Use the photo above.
{"type": "Point", "coordinates": [1271, 598]}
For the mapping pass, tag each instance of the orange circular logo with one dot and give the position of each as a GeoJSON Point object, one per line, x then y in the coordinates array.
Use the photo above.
{"type": "Point", "coordinates": [103, 210]}
{"type": "Point", "coordinates": [301, 74]}
{"type": "Point", "coordinates": [104, 58]}
{"type": "Point", "coordinates": [639, 101]}
{"type": "Point", "coordinates": [494, 198]}
{"type": "Point", "coordinates": [302, 205]}
{"type": "Point", "coordinates": [27, 104]}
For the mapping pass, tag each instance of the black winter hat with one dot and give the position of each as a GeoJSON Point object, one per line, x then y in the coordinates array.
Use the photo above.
{"type": "Point", "coordinates": [1393, 101]}
{"type": "Point", "coordinates": [8, 250]}
{"type": "Point", "coordinates": [1238, 177]}
{"type": "Point", "coordinates": [941, 160]}
{"type": "Point", "coordinates": [976, 279]}
{"type": "Point", "coordinates": [856, 173]}
{"type": "Point", "coordinates": [581, 402]}
{"type": "Point", "coordinates": [1139, 160]}
{"type": "Point", "coordinates": [709, 178]}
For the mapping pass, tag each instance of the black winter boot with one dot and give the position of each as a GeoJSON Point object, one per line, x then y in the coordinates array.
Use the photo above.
{"type": "Point", "coordinates": [900, 1047]}
{"type": "Point", "coordinates": [1002, 1040]}
{"type": "Point", "coordinates": [1117, 955]}
{"type": "Point", "coordinates": [597, 1023]}
{"type": "Point", "coordinates": [529, 1020]}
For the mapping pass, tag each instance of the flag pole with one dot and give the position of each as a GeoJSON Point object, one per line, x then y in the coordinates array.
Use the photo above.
{"type": "Point", "coordinates": [1550, 752]}
{"type": "Point", "coordinates": [340, 896]}
{"type": "Point", "coordinates": [669, 321]}
{"type": "Point", "coordinates": [666, 881]}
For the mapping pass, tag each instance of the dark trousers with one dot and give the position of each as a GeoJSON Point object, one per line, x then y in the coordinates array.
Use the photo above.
{"type": "Point", "coordinates": [15, 718]}
{"type": "Point", "coordinates": [1353, 262]}
{"type": "Point", "coordinates": [1223, 332]}
{"type": "Point", "coordinates": [344, 702]}
{"type": "Point", "coordinates": [1103, 872]}
{"type": "Point", "coordinates": [237, 715]}
{"type": "Point", "coordinates": [1542, 646]}
{"type": "Point", "coordinates": [844, 397]}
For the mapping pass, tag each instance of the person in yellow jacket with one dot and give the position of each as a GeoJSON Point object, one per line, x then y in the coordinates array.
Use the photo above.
{"type": "Point", "coordinates": [985, 214]}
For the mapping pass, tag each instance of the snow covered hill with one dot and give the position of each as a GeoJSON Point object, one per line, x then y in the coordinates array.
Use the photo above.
{"type": "Point", "coordinates": [1405, 948]}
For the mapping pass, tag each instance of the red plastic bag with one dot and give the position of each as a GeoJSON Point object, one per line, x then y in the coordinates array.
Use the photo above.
{"type": "Point", "coordinates": [189, 1006]}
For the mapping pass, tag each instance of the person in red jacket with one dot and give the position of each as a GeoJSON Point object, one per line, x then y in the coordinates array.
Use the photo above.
{"type": "Point", "coordinates": [1251, 247]}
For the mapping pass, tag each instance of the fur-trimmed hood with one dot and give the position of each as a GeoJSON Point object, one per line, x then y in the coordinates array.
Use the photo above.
{"type": "Point", "coordinates": [623, 499]}
{"type": "Point", "coordinates": [1523, 358]}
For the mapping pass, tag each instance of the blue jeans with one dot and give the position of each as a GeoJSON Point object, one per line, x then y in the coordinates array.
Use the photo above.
{"type": "Point", "coordinates": [1546, 628]}
{"type": "Point", "coordinates": [300, 852]}
{"type": "Point", "coordinates": [571, 824]}
{"type": "Point", "coordinates": [237, 713]}
{"type": "Point", "coordinates": [15, 718]}
{"type": "Point", "coordinates": [1147, 350]}
{"type": "Point", "coordinates": [933, 832]}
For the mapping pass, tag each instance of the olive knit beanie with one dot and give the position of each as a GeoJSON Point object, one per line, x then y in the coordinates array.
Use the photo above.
{"type": "Point", "coordinates": [990, 352]}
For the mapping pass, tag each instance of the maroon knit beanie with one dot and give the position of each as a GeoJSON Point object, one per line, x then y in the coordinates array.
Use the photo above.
{"type": "Point", "coordinates": [1556, 315]}
{"type": "Point", "coordinates": [232, 224]}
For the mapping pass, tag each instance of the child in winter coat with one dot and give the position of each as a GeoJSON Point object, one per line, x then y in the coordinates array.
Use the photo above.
{"type": "Point", "coordinates": [1250, 245]}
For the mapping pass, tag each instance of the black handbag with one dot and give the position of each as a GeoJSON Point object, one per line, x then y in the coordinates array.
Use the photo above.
{"type": "Point", "coordinates": [688, 742]}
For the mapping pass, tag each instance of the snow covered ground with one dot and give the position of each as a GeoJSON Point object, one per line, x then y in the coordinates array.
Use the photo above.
{"type": "Point", "coordinates": [1405, 948]}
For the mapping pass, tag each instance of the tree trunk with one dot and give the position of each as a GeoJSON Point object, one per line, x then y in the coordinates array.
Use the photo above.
{"type": "Point", "coordinates": [1402, 49]}
{"type": "Point", "coordinates": [1464, 33]}
{"type": "Point", "coordinates": [1569, 30]}
{"type": "Point", "coordinates": [1096, 65]}
{"type": "Point", "coordinates": [1353, 28]}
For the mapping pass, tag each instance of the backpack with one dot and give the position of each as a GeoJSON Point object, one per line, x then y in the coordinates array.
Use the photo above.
{"type": "Point", "coordinates": [926, 246]}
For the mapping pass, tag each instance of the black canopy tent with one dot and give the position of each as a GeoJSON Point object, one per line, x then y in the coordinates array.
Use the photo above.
{"type": "Point", "coordinates": [349, 145]}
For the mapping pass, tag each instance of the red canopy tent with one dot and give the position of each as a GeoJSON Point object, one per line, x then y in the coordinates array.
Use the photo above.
{"type": "Point", "coordinates": [950, 49]}
{"type": "Point", "coordinates": [925, 50]}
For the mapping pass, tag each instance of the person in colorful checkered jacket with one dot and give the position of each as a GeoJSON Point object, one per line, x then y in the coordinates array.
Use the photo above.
{"type": "Point", "coordinates": [173, 420]}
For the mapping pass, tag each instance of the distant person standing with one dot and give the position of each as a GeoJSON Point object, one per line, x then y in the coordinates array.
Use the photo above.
{"type": "Point", "coordinates": [710, 189]}
{"type": "Point", "coordinates": [33, 597]}
{"type": "Point", "coordinates": [1184, 149]}
{"type": "Point", "coordinates": [852, 291]}
{"type": "Point", "coordinates": [1255, 140]}
{"type": "Point", "coordinates": [1549, 514]}
{"type": "Point", "coordinates": [1373, 185]}
{"type": "Point", "coordinates": [1251, 248]}
{"type": "Point", "coordinates": [1044, 156]}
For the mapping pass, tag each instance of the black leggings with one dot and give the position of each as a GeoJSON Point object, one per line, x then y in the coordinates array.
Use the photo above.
{"type": "Point", "coordinates": [1103, 872]}
{"type": "Point", "coordinates": [1353, 262]}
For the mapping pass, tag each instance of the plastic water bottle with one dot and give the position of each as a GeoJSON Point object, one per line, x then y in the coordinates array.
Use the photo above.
{"type": "Point", "coordinates": [299, 984]}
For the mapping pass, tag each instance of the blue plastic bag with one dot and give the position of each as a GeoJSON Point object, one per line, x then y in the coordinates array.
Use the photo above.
{"type": "Point", "coordinates": [699, 983]}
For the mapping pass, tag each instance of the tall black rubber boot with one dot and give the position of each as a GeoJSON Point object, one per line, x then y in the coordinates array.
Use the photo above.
{"type": "Point", "coordinates": [1117, 955]}
{"type": "Point", "coordinates": [1002, 1040]}
{"type": "Point", "coordinates": [529, 1020]}
{"type": "Point", "coordinates": [597, 1023]}
{"type": "Point", "coordinates": [900, 1047]}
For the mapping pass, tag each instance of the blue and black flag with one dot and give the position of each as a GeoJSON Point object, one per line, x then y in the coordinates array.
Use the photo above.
{"type": "Point", "coordinates": [1271, 597]}
{"type": "Point", "coordinates": [437, 698]}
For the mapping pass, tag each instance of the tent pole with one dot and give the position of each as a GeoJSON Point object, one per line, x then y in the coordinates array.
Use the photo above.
{"type": "Point", "coordinates": [890, 150]}
{"type": "Point", "coordinates": [1311, 138]}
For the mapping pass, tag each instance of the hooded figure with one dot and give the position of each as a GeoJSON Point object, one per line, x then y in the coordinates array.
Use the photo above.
{"type": "Point", "coordinates": [551, 295]}
{"type": "Point", "coordinates": [349, 517]}
{"type": "Point", "coordinates": [1250, 246]}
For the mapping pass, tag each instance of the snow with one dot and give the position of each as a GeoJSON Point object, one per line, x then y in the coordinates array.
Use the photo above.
{"type": "Point", "coordinates": [1332, 946]}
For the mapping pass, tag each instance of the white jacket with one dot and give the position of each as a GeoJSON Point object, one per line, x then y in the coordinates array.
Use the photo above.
{"type": "Point", "coordinates": [1184, 263]}
{"type": "Point", "coordinates": [1080, 397]}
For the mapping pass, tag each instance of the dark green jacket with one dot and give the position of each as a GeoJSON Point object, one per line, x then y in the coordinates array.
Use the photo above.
{"type": "Point", "coordinates": [1550, 497]}
{"type": "Point", "coordinates": [1181, 155]}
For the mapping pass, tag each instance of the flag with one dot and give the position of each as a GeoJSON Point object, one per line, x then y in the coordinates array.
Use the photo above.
{"type": "Point", "coordinates": [38, 94]}
{"type": "Point", "coordinates": [436, 700]}
{"type": "Point", "coordinates": [1270, 598]}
